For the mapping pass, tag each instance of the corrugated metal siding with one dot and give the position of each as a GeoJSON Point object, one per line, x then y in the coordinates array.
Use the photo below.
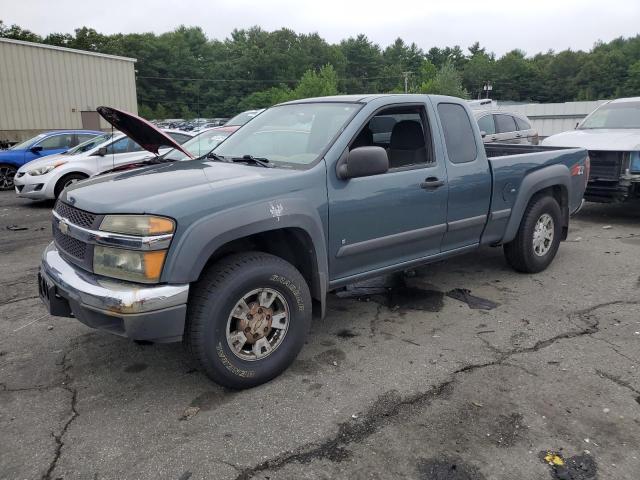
{"type": "Point", "coordinates": [47, 88]}
{"type": "Point", "coordinates": [551, 118]}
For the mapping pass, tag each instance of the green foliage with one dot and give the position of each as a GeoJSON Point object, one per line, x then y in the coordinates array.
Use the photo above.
{"type": "Point", "coordinates": [183, 73]}
{"type": "Point", "coordinates": [446, 82]}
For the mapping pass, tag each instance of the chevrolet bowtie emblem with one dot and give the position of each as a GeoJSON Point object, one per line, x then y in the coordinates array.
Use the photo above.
{"type": "Point", "coordinates": [63, 226]}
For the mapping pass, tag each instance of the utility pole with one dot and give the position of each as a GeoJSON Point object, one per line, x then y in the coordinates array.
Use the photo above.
{"type": "Point", "coordinates": [406, 81]}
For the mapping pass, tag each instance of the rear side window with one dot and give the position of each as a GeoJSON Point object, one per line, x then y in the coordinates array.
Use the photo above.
{"type": "Point", "coordinates": [458, 133]}
{"type": "Point", "coordinates": [486, 124]}
{"type": "Point", "coordinates": [522, 124]}
{"type": "Point", "coordinates": [57, 141]}
{"type": "Point", "coordinates": [505, 123]}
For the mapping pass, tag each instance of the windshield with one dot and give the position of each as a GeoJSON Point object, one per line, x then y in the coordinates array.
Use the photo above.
{"type": "Point", "coordinates": [290, 135]}
{"type": "Point", "coordinates": [199, 145]}
{"type": "Point", "coordinates": [27, 143]}
{"type": "Point", "coordinates": [243, 117]}
{"type": "Point", "coordinates": [614, 115]}
{"type": "Point", "coordinates": [89, 144]}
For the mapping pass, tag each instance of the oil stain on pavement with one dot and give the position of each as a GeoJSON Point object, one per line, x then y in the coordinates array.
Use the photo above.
{"type": "Point", "coordinates": [447, 468]}
{"type": "Point", "coordinates": [578, 467]}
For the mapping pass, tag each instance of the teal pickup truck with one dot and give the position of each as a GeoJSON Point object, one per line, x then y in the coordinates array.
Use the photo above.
{"type": "Point", "coordinates": [233, 252]}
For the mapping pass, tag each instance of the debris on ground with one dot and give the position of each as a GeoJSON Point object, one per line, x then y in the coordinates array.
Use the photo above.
{"type": "Point", "coordinates": [579, 467]}
{"type": "Point", "coordinates": [189, 413]}
{"type": "Point", "coordinates": [16, 228]}
{"type": "Point", "coordinates": [474, 302]}
{"type": "Point", "coordinates": [607, 227]}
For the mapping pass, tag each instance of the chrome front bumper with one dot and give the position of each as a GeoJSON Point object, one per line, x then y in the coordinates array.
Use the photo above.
{"type": "Point", "coordinates": [137, 311]}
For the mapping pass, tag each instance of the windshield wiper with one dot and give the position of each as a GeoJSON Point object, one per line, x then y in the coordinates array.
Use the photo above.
{"type": "Point", "coordinates": [263, 162]}
{"type": "Point", "coordinates": [216, 157]}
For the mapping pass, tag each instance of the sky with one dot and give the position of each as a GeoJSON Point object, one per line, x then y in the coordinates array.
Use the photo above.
{"type": "Point", "coordinates": [500, 25]}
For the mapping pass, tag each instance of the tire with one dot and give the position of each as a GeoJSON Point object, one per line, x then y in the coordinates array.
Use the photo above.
{"type": "Point", "coordinates": [7, 173]}
{"type": "Point", "coordinates": [523, 254]}
{"type": "Point", "coordinates": [211, 328]}
{"type": "Point", "coordinates": [67, 180]}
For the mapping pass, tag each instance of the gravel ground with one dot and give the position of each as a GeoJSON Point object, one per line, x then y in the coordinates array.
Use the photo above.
{"type": "Point", "coordinates": [415, 384]}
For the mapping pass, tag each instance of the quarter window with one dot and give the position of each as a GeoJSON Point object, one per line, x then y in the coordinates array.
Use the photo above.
{"type": "Point", "coordinates": [458, 133]}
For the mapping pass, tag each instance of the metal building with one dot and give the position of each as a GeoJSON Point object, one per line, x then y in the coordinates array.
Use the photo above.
{"type": "Point", "coordinates": [43, 87]}
{"type": "Point", "coordinates": [551, 118]}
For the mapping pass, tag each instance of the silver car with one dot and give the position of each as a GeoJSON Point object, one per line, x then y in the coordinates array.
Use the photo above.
{"type": "Point", "coordinates": [499, 126]}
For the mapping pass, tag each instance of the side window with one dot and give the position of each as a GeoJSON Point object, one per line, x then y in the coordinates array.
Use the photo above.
{"type": "Point", "coordinates": [522, 124]}
{"type": "Point", "coordinates": [486, 124]}
{"type": "Point", "coordinates": [505, 123]}
{"type": "Point", "coordinates": [402, 131]}
{"type": "Point", "coordinates": [134, 147]}
{"type": "Point", "coordinates": [458, 133]}
{"type": "Point", "coordinates": [179, 137]}
{"type": "Point", "coordinates": [83, 137]}
{"type": "Point", "coordinates": [119, 146]}
{"type": "Point", "coordinates": [57, 142]}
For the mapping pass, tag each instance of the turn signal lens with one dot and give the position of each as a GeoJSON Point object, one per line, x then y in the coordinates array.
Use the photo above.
{"type": "Point", "coordinates": [142, 225]}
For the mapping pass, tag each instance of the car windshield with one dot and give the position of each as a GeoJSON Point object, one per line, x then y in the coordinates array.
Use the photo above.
{"type": "Point", "coordinates": [89, 144]}
{"type": "Point", "coordinates": [243, 117]}
{"type": "Point", "coordinates": [199, 145]}
{"type": "Point", "coordinates": [291, 135]}
{"type": "Point", "coordinates": [27, 143]}
{"type": "Point", "coordinates": [614, 115]}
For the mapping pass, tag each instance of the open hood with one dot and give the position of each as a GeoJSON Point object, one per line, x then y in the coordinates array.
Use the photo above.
{"type": "Point", "coordinates": [139, 130]}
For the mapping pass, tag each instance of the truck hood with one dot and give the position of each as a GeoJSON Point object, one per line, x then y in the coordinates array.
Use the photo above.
{"type": "Point", "coordinates": [139, 130]}
{"type": "Point", "coordinates": [597, 139]}
{"type": "Point", "coordinates": [162, 188]}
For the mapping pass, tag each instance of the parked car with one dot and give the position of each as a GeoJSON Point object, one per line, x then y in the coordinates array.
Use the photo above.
{"type": "Point", "coordinates": [42, 145]}
{"type": "Point", "coordinates": [242, 118]}
{"type": "Point", "coordinates": [47, 177]}
{"type": "Point", "coordinates": [228, 251]}
{"type": "Point", "coordinates": [196, 147]}
{"type": "Point", "coordinates": [611, 134]}
{"type": "Point", "coordinates": [500, 126]}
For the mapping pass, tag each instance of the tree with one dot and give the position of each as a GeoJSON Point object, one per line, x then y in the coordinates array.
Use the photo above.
{"type": "Point", "coordinates": [17, 33]}
{"type": "Point", "coordinates": [446, 82]}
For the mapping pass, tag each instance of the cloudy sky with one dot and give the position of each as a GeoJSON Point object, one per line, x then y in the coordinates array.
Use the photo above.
{"type": "Point", "coordinates": [499, 25]}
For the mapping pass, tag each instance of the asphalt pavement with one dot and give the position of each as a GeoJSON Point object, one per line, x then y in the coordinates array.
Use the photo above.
{"type": "Point", "coordinates": [541, 382]}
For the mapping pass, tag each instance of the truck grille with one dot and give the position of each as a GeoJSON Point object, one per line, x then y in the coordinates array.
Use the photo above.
{"type": "Point", "coordinates": [74, 250]}
{"type": "Point", "coordinates": [70, 245]}
{"type": "Point", "coordinates": [605, 165]}
{"type": "Point", "coordinates": [75, 215]}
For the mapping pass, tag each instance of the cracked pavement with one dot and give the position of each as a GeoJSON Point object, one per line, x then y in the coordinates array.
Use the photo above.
{"type": "Point", "coordinates": [423, 387]}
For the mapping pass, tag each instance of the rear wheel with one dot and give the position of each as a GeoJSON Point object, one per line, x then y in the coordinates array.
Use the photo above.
{"type": "Point", "coordinates": [7, 174]}
{"type": "Point", "coordinates": [538, 237]}
{"type": "Point", "coordinates": [67, 180]}
{"type": "Point", "coordinates": [247, 320]}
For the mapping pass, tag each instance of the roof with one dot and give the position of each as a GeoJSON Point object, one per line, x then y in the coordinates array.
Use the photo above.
{"type": "Point", "coordinates": [64, 49]}
{"type": "Point", "coordinates": [340, 98]}
{"type": "Point", "coordinates": [625, 100]}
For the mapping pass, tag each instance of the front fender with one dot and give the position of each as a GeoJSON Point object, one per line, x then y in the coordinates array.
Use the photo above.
{"type": "Point", "coordinates": [553, 175]}
{"type": "Point", "coordinates": [194, 247]}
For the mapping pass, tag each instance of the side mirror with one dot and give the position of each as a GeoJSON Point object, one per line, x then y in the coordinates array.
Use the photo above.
{"type": "Point", "coordinates": [363, 162]}
{"type": "Point", "coordinates": [101, 152]}
{"type": "Point", "coordinates": [36, 149]}
{"type": "Point", "coordinates": [483, 133]}
{"type": "Point", "coordinates": [577, 123]}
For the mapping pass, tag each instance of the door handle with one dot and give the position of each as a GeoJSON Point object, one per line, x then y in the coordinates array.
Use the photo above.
{"type": "Point", "coordinates": [431, 182]}
{"type": "Point", "coordinates": [518, 135]}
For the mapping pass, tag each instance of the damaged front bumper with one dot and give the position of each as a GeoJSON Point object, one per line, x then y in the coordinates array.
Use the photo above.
{"type": "Point", "coordinates": [139, 312]}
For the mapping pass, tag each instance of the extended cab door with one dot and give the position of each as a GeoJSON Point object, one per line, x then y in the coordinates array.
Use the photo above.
{"type": "Point", "coordinates": [469, 176]}
{"type": "Point", "coordinates": [395, 217]}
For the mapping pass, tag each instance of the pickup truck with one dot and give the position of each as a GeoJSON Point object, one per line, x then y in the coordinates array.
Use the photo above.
{"type": "Point", "coordinates": [611, 135]}
{"type": "Point", "coordinates": [235, 251]}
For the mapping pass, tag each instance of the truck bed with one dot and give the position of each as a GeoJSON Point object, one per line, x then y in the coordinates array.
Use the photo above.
{"type": "Point", "coordinates": [503, 149]}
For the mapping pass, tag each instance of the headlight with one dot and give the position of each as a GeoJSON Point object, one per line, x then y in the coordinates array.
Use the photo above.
{"type": "Point", "coordinates": [46, 169]}
{"type": "Point", "coordinates": [144, 266]}
{"type": "Point", "coordinates": [132, 265]}
{"type": "Point", "coordinates": [137, 224]}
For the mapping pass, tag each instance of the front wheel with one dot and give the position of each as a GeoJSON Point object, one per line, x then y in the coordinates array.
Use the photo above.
{"type": "Point", "coordinates": [67, 180]}
{"type": "Point", "coordinates": [538, 237]}
{"type": "Point", "coordinates": [7, 174]}
{"type": "Point", "coordinates": [248, 317]}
